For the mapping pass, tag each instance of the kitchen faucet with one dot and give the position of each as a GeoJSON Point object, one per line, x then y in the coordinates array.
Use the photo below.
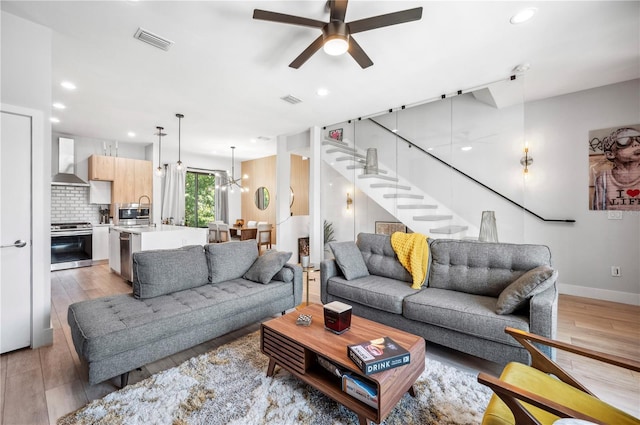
{"type": "Point", "coordinates": [144, 196]}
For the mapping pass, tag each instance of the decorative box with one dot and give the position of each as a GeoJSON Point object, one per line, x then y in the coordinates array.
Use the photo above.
{"type": "Point", "coordinates": [337, 317]}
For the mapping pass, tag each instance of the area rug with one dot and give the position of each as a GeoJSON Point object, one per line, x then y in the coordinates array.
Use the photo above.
{"type": "Point", "coordinates": [229, 386]}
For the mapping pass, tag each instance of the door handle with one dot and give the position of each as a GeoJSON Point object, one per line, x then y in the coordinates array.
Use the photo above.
{"type": "Point", "coordinates": [16, 244]}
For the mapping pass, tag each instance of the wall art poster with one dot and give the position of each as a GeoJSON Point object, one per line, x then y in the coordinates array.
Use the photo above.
{"type": "Point", "coordinates": [335, 134]}
{"type": "Point", "coordinates": [614, 168]}
{"type": "Point", "coordinates": [389, 227]}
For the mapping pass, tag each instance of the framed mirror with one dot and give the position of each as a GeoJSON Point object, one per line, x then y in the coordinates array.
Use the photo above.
{"type": "Point", "coordinates": [291, 199]}
{"type": "Point", "coordinates": [262, 198]}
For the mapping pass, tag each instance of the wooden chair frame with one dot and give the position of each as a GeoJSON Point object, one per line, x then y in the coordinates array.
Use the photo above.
{"type": "Point", "coordinates": [512, 395]}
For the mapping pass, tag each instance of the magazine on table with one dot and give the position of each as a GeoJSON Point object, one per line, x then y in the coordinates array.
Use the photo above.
{"type": "Point", "coordinates": [378, 355]}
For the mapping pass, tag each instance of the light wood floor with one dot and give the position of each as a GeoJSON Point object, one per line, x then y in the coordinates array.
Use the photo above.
{"type": "Point", "coordinates": [38, 386]}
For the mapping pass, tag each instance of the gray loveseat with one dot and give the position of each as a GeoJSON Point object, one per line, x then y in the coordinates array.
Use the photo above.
{"type": "Point", "coordinates": [458, 302]}
{"type": "Point", "coordinates": [181, 298]}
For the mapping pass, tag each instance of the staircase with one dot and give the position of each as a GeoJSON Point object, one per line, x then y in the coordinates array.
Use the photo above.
{"type": "Point", "coordinates": [410, 205]}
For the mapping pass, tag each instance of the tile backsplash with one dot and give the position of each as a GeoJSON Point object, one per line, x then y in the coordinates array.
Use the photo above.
{"type": "Point", "coordinates": [71, 203]}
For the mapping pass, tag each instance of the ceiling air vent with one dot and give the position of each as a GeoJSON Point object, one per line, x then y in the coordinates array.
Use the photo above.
{"type": "Point", "coordinates": [153, 39]}
{"type": "Point", "coordinates": [291, 99]}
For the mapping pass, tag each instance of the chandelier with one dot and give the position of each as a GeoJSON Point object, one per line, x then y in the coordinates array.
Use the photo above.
{"type": "Point", "coordinates": [230, 182]}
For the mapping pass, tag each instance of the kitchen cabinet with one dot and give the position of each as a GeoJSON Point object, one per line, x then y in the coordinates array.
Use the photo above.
{"type": "Point", "coordinates": [102, 167]}
{"type": "Point", "coordinates": [100, 243]}
{"type": "Point", "coordinates": [99, 192]}
{"type": "Point", "coordinates": [134, 178]}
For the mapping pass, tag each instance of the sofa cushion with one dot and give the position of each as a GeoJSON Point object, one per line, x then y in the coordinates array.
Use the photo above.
{"type": "Point", "coordinates": [349, 259]}
{"type": "Point", "coordinates": [526, 286]}
{"type": "Point", "coordinates": [373, 291]}
{"type": "Point", "coordinates": [380, 258]}
{"type": "Point", "coordinates": [482, 268]}
{"type": "Point", "coordinates": [267, 265]}
{"type": "Point", "coordinates": [466, 313]}
{"type": "Point", "coordinates": [163, 271]}
{"type": "Point", "coordinates": [230, 260]}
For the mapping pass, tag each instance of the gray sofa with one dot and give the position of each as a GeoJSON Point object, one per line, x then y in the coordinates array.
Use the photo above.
{"type": "Point", "coordinates": [457, 306]}
{"type": "Point", "coordinates": [181, 298]}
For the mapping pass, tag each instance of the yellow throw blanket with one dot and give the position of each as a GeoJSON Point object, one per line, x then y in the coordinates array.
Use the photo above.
{"type": "Point", "coordinates": [413, 252]}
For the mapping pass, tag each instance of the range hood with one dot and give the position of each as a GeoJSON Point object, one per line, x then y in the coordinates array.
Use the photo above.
{"type": "Point", "coordinates": [66, 165]}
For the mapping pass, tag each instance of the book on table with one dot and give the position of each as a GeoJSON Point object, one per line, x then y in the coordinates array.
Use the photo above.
{"type": "Point", "coordinates": [378, 355]}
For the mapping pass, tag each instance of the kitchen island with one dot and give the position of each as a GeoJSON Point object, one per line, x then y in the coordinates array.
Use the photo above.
{"type": "Point", "coordinates": [125, 240]}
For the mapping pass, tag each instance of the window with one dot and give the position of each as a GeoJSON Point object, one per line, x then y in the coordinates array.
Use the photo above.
{"type": "Point", "coordinates": [199, 199]}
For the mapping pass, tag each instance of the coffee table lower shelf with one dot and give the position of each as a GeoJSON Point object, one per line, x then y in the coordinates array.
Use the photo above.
{"type": "Point", "coordinates": [297, 354]}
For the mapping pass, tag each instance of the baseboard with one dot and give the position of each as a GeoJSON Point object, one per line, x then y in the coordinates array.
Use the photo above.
{"type": "Point", "coordinates": [599, 294]}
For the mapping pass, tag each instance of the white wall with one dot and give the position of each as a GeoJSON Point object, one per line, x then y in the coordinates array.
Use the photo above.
{"type": "Point", "coordinates": [26, 82]}
{"type": "Point", "coordinates": [557, 130]}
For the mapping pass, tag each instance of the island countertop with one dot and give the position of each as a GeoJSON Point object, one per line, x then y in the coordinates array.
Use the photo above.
{"type": "Point", "coordinates": [160, 228]}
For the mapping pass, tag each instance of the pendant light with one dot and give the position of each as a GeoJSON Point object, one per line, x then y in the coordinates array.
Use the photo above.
{"type": "Point", "coordinates": [160, 169]}
{"type": "Point", "coordinates": [230, 181]}
{"type": "Point", "coordinates": [179, 164]}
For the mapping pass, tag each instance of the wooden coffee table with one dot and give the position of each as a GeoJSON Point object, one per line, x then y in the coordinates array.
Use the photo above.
{"type": "Point", "coordinates": [295, 348]}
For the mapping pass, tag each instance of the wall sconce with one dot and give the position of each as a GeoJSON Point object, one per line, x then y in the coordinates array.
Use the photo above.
{"type": "Point", "coordinates": [349, 201]}
{"type": "Point", "coordinates": [526, 160]}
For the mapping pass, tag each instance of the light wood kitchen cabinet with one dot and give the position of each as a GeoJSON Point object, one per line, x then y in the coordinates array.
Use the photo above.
{"type": "Point", "coordinates": [102, 167]}
{"type": "Point", "coordinates": [144, 180]}
{"type": "Point", "coordinates": [134, 178]}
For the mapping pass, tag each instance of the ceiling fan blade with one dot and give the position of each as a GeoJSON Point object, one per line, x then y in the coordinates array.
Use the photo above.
{"type": "Point", "coordinates": [358, 54]}
{"type": "Point", "coordinates": [265, 15]}
{"type": "Point", "coordinates": [338, 9]}
{"type": "Point", "coordinates": [385, 20]}
{"type": "Point", "coordinates": [308, 52]}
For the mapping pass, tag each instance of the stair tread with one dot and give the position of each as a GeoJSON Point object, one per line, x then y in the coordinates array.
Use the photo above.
{"type": "Point", "coordinates": [347, 151]}
{"type": "Point", "coordinates": [334, 142]}
{"type": "Point", "coordinates": [417, 207]}
{"type": "Point", "coordinates": [362, 165]}
{"type": "Point", "coordinates": [377, 176]}
{"type": "Point", "coordinates": [403, 195]}
{"type": "Point", "coordinates": [391, 185]}
{"type": "Point", "coordinates": [433, 217]}
{"type": "Point", "coordinates": [349, 158]}
{"type": "Point", "coordinates": [448, 230]}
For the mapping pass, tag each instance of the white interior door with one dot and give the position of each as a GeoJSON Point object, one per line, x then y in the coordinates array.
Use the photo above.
{"type": "Point", "coordinates": [15, 231]}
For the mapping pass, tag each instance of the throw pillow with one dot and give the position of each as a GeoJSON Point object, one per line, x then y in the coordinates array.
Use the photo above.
{"type": "Point", "coordinates": [285, 274]}
{"type": "Point", "coordinates": [230, 260]}
{"type": "Point", "coordinates": [526, 286]}
{"type": "Point", "coordinates": [349, 259]}
{"type": "Point", "coordinates": [266, 266]}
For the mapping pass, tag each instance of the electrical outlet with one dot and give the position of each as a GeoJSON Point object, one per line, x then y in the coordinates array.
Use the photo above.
{"type": "Point", "coordinates": [615, 271]}
{"type": "Point", "coordinates": [614, 215]}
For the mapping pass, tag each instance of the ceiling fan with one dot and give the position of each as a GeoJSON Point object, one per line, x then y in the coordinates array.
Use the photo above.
{"type": "Point", "coordinates": [336, 35]}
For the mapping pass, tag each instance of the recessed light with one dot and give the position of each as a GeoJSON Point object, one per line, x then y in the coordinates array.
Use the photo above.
{"type": "Point", "coordinates": [395, 130]}
{"type": "Point", "coordinates": [59, 105]}
{"type": "Point", "coordinates": [322, 92]}
{"type": "Point", "coordinates": [523, 15]}
{"type": "Point", "coordinates": [429, 149]}
{"type": "Point", "coordinates": [466, 148]}
{"type": "Point", "coordinates": [131, 134]}
{"type": "Point", "coordinates": [523, 67]}
{"type": "Point", "coordinates": [68, 85]}
{"type": "Point", "coordinates": [54, 120]}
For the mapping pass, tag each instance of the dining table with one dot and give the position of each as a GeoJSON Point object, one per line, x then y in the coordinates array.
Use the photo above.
{"type": "Point", "coordinates": [243, 232]}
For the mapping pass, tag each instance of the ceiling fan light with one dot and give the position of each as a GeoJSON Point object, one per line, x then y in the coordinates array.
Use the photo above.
{"type": "Point", "coordinates": [335, 46]}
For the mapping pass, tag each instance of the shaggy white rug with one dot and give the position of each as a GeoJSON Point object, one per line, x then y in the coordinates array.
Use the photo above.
{"type": "Point", "coordinates": [229, 386]}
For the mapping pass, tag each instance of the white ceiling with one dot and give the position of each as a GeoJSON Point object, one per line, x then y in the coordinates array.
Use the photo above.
{"type": "Point", "coordinates": [227, 72]}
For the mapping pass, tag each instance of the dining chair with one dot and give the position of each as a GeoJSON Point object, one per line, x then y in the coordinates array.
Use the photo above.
{"type": "Point", "coordinates": [223, 233]}
{"type": "Point", "coordinates": [543, 392]}
{"type": "Point", "coordinates": [252, 223]}
{"type": "Point", "coordinates": [263, 235]}
{"type": "Point", "coordinates": [213, 231]}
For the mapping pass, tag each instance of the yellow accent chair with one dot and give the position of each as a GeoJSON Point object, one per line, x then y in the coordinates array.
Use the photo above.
{"type": "Point", "coordinates": [543, 393]}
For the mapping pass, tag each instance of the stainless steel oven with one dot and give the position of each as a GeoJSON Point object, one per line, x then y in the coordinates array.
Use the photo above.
{"type": "Point", "coordinates": [132, 214]}
{"type": "Point", "coordinates": [71, 245]}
